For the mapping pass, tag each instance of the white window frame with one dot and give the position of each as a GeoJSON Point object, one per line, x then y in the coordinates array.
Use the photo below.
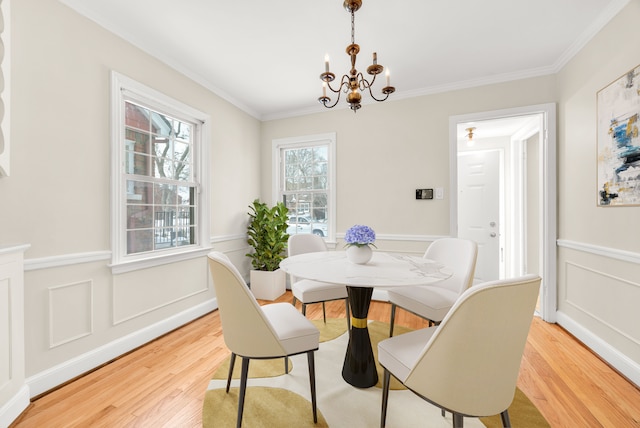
{"type": "Point", "coordinates": [121, 87]}
{"type": "Point", "coordinates": [329, 139]}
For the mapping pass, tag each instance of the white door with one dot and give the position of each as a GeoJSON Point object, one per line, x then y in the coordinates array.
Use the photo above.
{"type": "Point", "coordinates": [479, 208]}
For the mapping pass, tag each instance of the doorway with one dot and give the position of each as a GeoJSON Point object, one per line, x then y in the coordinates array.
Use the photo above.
{"type": "Point", "coordinates": [503, 194]}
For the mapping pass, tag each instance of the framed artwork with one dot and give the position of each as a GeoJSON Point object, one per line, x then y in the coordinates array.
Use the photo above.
{"type": "Point", "coordinates": [618, 142]}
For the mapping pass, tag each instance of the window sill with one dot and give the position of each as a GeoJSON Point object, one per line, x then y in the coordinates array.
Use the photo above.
{"type": "Point", "coordinates": [130, 266]}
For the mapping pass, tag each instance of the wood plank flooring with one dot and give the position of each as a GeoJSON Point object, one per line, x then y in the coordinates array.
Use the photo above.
{"type": "Point", "coordinates": [162, 384]}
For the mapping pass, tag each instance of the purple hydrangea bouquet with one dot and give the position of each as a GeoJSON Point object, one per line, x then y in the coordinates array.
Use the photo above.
{"type": "Point", "coordinates": [360, 236]}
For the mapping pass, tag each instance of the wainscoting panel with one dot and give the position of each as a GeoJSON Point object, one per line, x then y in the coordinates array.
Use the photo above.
{"type": "Point", "coordinates": [598, 295]}
{"type": "Point", "coordinates": [5, 332]}
{"type": "Point", "coordinates": [140, 292]}
{"type": "Point", "coordinates": [70, 312]}
{"type": "Point", "coordinates": [608, 299]}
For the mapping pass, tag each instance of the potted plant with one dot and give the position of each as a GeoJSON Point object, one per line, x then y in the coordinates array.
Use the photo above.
{"type": "Point", "coordinates": [267, 234]}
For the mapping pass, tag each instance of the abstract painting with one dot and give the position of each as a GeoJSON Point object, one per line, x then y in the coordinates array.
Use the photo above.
{"type": "Point", "coordinates": [618, 143]}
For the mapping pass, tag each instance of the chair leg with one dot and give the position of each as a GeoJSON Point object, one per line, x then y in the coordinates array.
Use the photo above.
{"type": "Point", "coordinates": [506, 422]}
{"type": "Point", "coordinates": [286, 365]}
{"type": "Point", "coordinates": [385, 397]}
{"type": "Point", "coordinates": [243, 389]}
{"type": "Point", "coordinates": [348, 312]}
{"type": "Point", "coordinates": [324, 313]}
{"type": "Point", "coordinates": [294, 301]}
{"type": "Point", "coordinates": [312, 383]}
{"type": "Point", "coordinates": [304, 309]}
{"type": "Point", "coordinates": [232, 362]}
{"type": "Point", "coordinates": [391, 321]}
{"type": "Point", "coordinates": [458, 420]}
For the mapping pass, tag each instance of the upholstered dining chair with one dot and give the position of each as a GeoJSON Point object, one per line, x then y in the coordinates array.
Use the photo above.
{"type": "Point", "coordinates": [434, 301]}
{"type": "Point", "coordinates": [469, 364]}
{"type": "Point", "coordinates": [252, 331]}
{"type": "Point", "coordinates": [308, 291]}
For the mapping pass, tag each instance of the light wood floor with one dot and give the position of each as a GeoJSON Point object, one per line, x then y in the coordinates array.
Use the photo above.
{"type": "Point", "coordinates": [162, 384]}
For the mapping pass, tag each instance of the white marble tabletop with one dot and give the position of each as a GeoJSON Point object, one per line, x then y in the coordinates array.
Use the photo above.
{"type": "Point", "coordinates": [383, 270]}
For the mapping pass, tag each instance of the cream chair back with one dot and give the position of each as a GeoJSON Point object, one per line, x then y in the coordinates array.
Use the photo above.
{"type": "Point", "coordinates": [471, 363]}
{"type": "Point", "coordinates": [460, 256]}
{"type": "Point", "coordinates": [247, 332]}
{"type": "Point", "coordinates": [304, 243]}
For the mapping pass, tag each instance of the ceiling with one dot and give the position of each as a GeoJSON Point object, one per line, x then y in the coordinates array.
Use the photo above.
{"type": "Point", "coordinates": [265, 56]}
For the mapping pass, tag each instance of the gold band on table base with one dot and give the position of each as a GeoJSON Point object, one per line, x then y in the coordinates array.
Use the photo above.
{"type": "Point", "coordinates": [358, 322]}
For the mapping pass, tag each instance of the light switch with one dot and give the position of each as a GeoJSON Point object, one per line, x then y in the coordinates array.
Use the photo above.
{"type": "Point", "coordinates": [424, 193]}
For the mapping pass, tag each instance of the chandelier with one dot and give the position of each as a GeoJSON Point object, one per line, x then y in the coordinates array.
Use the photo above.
{"type": "Point", "coordinates": [354, 82]}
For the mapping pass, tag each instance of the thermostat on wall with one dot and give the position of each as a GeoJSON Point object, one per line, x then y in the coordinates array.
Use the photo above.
{"type": "Point", "coordinates": [424, 193]}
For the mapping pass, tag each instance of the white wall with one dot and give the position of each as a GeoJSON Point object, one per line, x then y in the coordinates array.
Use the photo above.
{"type": "Point", "coordinates": [385, 151]}
{"type": "Point", "coordinates": [599, 247]}
{"type": "Point", "coordinates": [77, 314]}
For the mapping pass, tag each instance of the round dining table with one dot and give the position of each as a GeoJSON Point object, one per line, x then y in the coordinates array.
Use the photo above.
{"type": "Point", "coordinates": [384, 270]}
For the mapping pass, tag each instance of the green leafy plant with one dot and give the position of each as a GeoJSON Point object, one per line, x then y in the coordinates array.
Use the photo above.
{"type": "Point", "coordinates": [267, 232]}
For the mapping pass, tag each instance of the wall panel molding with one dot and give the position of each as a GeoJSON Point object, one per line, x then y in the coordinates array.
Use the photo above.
{"type": "Point", "coordinates": [71, 312]}
{"type": "Point", "coordinates": [608, 283]}
{"type": "Point", "coordinates": [61, 373]}
{"type": "Point", "coordinates": [148, 310]}
{"type": "Point", "coordinates": [612, 253]}
{"type": "Point", "coordinates": [97, 256]}
{"type": "Point", "coordinates": [66, 260]}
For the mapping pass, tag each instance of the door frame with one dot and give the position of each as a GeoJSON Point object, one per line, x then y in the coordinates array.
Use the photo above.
{"type": "Point", "coordinates": [548, 175]}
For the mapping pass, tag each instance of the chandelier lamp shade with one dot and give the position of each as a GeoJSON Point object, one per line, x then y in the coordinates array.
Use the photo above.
{"type": "Point", "coordinates": [353, 83]}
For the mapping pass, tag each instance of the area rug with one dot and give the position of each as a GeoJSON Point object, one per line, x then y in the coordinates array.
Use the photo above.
{"type": "Point", "coordinates": [277, 400]}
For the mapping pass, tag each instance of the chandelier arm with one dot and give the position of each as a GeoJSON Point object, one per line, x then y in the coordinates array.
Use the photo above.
{"type": "Point", "coordinates": [373, 96]}
{"type": "Point", "coordinates": [344, 84]}
{"type": "Point", "coordinates": [324, 102]}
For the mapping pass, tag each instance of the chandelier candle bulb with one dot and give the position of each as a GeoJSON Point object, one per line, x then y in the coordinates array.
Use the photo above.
{"type": "Point", "coordinates": [326, 63]}
{"type": "Point", "coordinates": [324, 88]}
{"type": "Point", "coordinates": [375, 59]}
{"type": "Point", "coordinates": [388, 78]}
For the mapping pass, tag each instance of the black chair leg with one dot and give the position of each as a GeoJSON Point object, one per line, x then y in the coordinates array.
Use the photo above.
{"type": "Point", "coordinates": [231, 364]}
{"type": "Point", "coordinates": [385, 397]}
{"type": "Point", "coordinates": [392, 320]}
{"type": "Point", "coordinates": [324, 313]}
{"type": "Point", "coordinates": [286, 365]}
{"type": "Point", "coordinates": [294, 301]}
{"type": "Point", "coordinates": [506, 423]}
{"type": "Point", "coordinates": [458, 420]}
{"type": "Point", "coordinates": [312, 383]}
{"type": "Point", "coordinates": [243, 390]}
{"type": "Point", "coordinates": [304, 309]}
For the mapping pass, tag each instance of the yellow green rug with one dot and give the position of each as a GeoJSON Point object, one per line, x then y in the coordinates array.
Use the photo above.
{"type": "Point", "coordinates": [277, 400]}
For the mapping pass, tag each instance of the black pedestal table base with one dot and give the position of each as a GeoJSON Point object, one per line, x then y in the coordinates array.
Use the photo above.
{"type": "Point", "coordinates": [359, 367]}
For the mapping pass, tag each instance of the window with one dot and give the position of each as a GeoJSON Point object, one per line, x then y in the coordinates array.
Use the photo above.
{"type": "Point", "coordinates": [159, 211]}
{"type": "Point", "coordinates": [305, 182]}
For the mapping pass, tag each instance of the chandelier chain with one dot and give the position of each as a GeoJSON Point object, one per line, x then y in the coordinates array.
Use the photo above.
{"type": "Point", "coordinates": [353, 26]}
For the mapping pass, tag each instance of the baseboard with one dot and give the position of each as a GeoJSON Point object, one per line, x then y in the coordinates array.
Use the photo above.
{"type": "Point", "coordinates": [628, 368]}
{"type": "Point", "coordinates": [57, 375]}
{"type": "Point", "coordinates": [14, 407]}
